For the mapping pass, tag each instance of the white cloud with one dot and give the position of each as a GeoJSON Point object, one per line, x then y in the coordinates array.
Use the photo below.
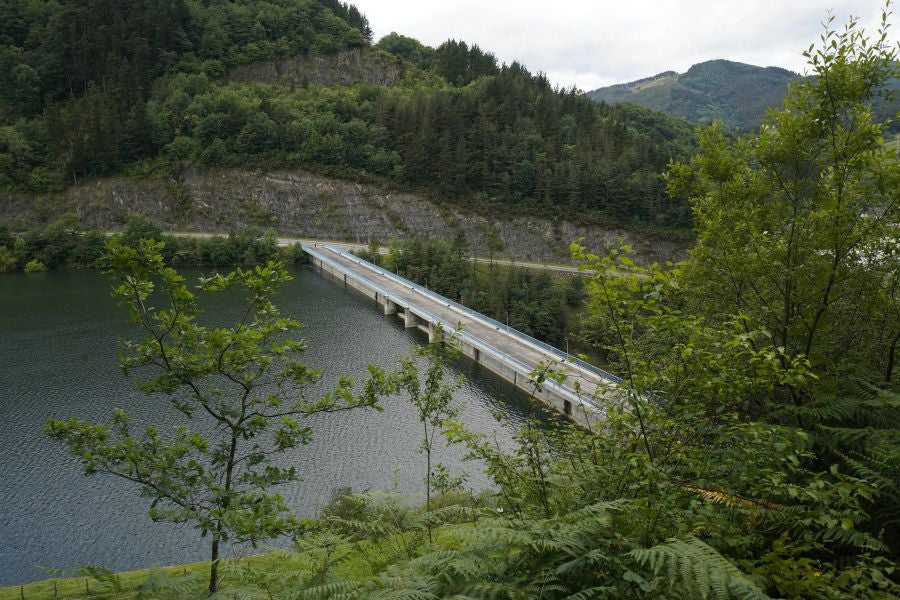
{"type": "Point", "coordinates": [594, 43]}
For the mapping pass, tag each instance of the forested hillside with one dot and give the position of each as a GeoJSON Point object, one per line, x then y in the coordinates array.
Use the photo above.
{"type": "Point", "coordinates": [94, 89]}
{"type": "Point", "coordinates": [77, 76]}
{"type": "Point", "coordinates": [735, 93]}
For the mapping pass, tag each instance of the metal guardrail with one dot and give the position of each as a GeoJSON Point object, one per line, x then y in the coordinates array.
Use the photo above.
{"type": "Point", "coordinates": [520, 367]}
{"type": "Point", "coordinates": [564, 356]}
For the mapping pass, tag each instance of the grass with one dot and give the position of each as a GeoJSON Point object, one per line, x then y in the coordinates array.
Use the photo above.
{"type": "Point", "coordinates": [190, 580]}
{"type": "Point", "coordinates": [195, 576]}
{"type": "Point", "coordinates": [129, 583]}
{"type": "Point", "coordinates": [350, 560]}
{"type": "Point", "coordinates": [88, 587]}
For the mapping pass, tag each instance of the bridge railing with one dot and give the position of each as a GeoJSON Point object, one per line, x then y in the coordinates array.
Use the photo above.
{"type": "Point", "coordinates": [508, 359]}
{"type": "Point", "coordinates": [556, 352]}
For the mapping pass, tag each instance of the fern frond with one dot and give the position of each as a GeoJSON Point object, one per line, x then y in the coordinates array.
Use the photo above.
{"type": "Point", "coordinates": [851, 537]}
{"type": "Point", "coordinates": [160, 584]}
{"type": "Point", "coordinates": [880, 470]}
{"type": "Point", "coordinates": [880, 463]}
{"type": "Point", "coordinates": [491, 589]}
{"type": "Point", "coordinates": [321, 540]}
{"type": "Point", "coordinates": [733, 500]}
{"type": "Point", "coordinates": [590, 559]}
{"type": "Point", "coordinates": [446, 514]}
{"type": "Point", "coordinates": [599, 513]}
{"type": "Point", "coordinates": [863, 408]}
{"type": "Point", "coordinates": [367, 529]}
{"type": "Point", "coordinates": [401, 593]}
{"type": "Point", "coordinates": [857, 437]}
{"type": "Point", "coordinates": [698, 570]}
{"type": "Point", "coordinates": [593, 592]}
{"type": "Point", "coordinates": [449, 565]}
{"type": "Point", "coordinates": [332, 590]}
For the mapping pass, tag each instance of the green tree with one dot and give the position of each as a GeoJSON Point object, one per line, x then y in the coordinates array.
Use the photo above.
{"type": "Point", "coordinates": [407, 48]}
{"type": "Point", "coordinates": [137, 228]}
{"type": "Point", "coordinates": [796, 225]}
{"type": "Point", "coordinates": [432, 399]}
{"type": "Point", "coordinates": [373, 251]}
{"type": "Point", "coordinates": [7, 260]}
{"type": "Point", "coordinates": [494, 244]}
{"type": "Point", "coordinates": [239, 388]}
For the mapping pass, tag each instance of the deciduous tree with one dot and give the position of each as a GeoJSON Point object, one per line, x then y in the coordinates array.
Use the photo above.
{"type": "Point", "coordinates": [797, 224]}
{"type": "Point", "coordinates": [432, 397]}
{"type": "Point", "coordinates": [239, 389]}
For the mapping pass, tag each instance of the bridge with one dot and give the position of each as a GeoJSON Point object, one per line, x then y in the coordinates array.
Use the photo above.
{"type": "Point", "coordinates": [507, 352]}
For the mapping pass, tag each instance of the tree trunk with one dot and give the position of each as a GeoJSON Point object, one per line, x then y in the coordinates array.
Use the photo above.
{"type": "Point", "coordinates": [217, 536]}
{"type": "Point", "coordinates": [214, 564]}
{"type": "Point", "coordinates": [892, 353]}
{"type": "Point", "coordinates": [428, 492]}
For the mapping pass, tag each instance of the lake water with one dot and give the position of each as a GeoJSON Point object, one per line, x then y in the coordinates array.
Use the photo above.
{"type": "Point", "coordinates": [59, 338]}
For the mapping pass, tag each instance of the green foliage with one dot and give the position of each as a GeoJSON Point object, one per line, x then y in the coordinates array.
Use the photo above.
{"type": "Point", "coordinates": [243, 381]}
{"type": "Point", "coordinates": [698, 570]}
{"type": "Point", "coordinates": [345, 505]}
{"type": "Point", "coordinates": [858, 427]}
{"type": "Point", "coordinates": [162, 585]}
{"type": "Point", "coordinates": [35, 266]}
{"type": "Point", "coordinates": [794, 229]}
{"type": "Point", "coordinates": [432, 397]}
{"type": "Point", "coordinates": [460, 65]}
{"type": "Point", "coordinates": [407, 48]}
{"type": "Point", "coordinates": [80, 75]}
{"type": "Point", "coordinates": [137, 228]}
{"type": "Point", "coordinates": [796, 226]}
{"type": "Point", "coordinates": [8, 260]}
{"type": "Point", "coordinates": [68, 244]}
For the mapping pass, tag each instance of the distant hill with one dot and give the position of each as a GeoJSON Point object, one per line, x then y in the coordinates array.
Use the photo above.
{"type": "Point", "coordinates": [735, 93]}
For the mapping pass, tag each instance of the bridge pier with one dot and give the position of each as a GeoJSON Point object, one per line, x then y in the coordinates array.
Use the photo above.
{"type": "Point", "coordinates": [409, 319]}
{"type": "Point", "coordinates": [389, 307]}
{"type": "Point", "coordinates": [431, 333]}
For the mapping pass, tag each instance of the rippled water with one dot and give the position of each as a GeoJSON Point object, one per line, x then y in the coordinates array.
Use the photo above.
{"type": "Point", "coordinates": [59, 334]}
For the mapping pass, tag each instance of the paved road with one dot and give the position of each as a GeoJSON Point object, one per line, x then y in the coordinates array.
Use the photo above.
{"type": "Point", "coordinates": [508, 345]}
{"type": "Point", "coordinates": [288, 241]}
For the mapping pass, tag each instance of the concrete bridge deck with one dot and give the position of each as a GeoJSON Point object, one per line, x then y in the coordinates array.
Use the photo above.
{"type": "Point", "coordinates": [507, 352]}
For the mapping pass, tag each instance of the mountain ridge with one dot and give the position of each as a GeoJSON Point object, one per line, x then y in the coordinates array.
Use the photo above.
{"type": "Point", "coordinates": [730, 91]}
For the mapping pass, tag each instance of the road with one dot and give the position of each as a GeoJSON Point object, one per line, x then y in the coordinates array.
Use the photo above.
{"type": "Point", "coordinates": [507, 344]}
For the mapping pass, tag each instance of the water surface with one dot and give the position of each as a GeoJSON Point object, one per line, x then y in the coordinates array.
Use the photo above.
{"type": "Point", "coordinates": [59, 337]}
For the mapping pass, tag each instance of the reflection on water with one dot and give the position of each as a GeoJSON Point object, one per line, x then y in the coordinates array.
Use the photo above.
{"type": "Point", "coordinates": [59, 335]}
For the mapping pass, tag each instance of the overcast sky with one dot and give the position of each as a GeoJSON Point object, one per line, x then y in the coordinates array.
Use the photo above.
{"type": "Point", "coordinates": [591, 44]}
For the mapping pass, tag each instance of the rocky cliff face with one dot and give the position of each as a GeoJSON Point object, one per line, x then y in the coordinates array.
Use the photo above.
{"type": "Point", "coordinates": [302, 204]}
{"type": "Point", "coordinates": [350, 67]}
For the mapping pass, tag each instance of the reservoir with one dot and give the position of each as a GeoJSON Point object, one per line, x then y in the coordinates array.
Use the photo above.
{"type": "Point", "coordinates": [60, 334]}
